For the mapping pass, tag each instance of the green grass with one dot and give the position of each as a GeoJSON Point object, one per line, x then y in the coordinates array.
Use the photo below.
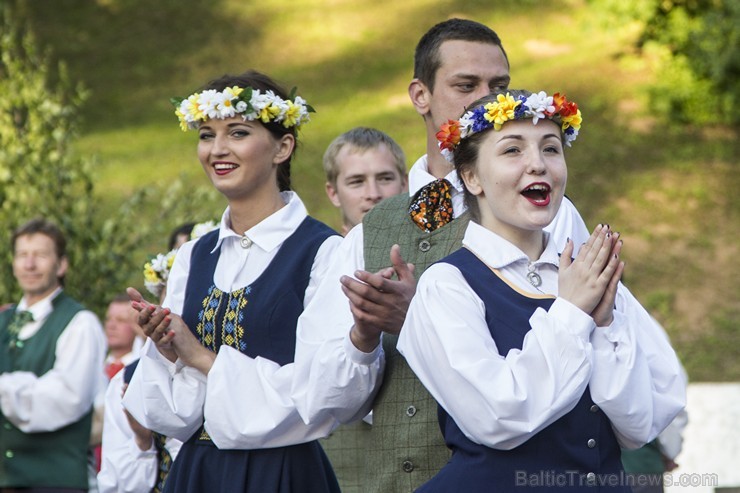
{"type": "Point", "coordinates": [670, 190]}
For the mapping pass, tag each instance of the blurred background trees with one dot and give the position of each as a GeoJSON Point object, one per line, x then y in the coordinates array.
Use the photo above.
{"type": "Point", "coordinates": [41, 176]}
{"type": "Point", "coordinates": [694, 46]}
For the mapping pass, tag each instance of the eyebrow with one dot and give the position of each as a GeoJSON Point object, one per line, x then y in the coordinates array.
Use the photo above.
{"type": "Point", "coordinates": [519, 137]}
{"type": "Point", "coordinates": [246, 123]}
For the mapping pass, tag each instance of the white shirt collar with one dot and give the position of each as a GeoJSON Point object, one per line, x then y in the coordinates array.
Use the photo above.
{"type": "Point", "coordinates": [269, 233]}
{"type": "Point", "coordinates": [419, 177]}
{"type": "Point", "coordinates": [42, 308]}
{"type": "Point", "coordinates": [497, 253]}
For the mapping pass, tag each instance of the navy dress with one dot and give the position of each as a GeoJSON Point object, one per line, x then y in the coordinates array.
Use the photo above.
{"type": "Point", "coordinates": [258, 320]}
{"type": "Point", "coordinates": [578, 452]}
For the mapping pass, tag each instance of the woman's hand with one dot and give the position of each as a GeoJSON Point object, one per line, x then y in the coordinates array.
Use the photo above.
{"type": "Point", "coordinates": [154, 321]}
{"type": "Point", "coordinates": [584, 281]}
{"type": "Point", "coordinates": [603, 314]}
{"type": "Point", "coordinates": [187, 346]}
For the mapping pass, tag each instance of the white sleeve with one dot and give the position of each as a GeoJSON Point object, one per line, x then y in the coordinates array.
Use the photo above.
{"type": "Point", "coordinates": [637, 379]}
{"type": "Point", "coordinates": [339, 380]}
{"type": "Point", "coordinates": [124, 467]}
{"type": "Point", "coordinates": [166, 397]}
{"type": "Point", "coordinates": [249, 402]}
{"type": "Point", "coordinates": [497, 401]}
{"type": "Point", "coordinates": [568, 223]}
{"type": "Point", "coordinates": [65, 393]}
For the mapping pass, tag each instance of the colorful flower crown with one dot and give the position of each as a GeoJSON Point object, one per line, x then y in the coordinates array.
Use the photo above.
{"type": "Point", "coordinates": [251, 103]}
{"type": "Point", "coordinates": [157, 269]}
{"type": "Point", "coordinates": [495, 113]}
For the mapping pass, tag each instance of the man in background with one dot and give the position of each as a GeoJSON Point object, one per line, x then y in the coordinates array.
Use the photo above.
{"type": "Point", "coordinates": [363, 166]}
{"type": "Point", "coordinates": [51, 355]}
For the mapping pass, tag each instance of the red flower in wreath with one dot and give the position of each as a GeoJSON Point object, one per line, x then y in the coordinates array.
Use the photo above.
{"type": "Point", "coordinates": [449, 135]}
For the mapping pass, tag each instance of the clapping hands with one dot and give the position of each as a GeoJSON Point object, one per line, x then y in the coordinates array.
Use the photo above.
{"type": "Point", "coordinates": [590, 281]}
{"type": "Point", "coordinates": [170, 333]}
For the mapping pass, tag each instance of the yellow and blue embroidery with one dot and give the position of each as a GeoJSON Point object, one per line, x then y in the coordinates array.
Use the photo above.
{"type": "Point", "coordinates": [228, 330]}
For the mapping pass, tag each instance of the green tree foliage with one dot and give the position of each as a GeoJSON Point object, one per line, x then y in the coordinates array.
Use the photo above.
{"type": "Point", "coordinates": [695, 46]}
{"type": "Point", "coordinates": [41, 177]}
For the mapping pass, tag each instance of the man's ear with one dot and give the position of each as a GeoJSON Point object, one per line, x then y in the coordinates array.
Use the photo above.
{"type": "Point", "coordinates": [420, 96]}
{"type": "Point", "coordinates": [62, 268]}
{"type": "Point", "coordinates": [331, 192]}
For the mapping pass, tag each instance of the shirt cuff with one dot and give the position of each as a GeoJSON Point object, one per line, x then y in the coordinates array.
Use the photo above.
{"type": "Point", "coordinates": [608, 338]}
{"type": "Point", "coordinates": [151, 351]}
{"type": "Point", "coordinates": [575, 320]}
{"type": "Point", "coordinates": [360, 357]}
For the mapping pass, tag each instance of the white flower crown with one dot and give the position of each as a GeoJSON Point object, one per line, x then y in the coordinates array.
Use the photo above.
{"type": "Point", "coordinates": [251, 103]}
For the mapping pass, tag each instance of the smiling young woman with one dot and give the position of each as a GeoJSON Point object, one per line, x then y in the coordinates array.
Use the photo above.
{"type": "Point", "coordinates": [216, 369]}
{"type": "Point", "coordinates": [540, 363]}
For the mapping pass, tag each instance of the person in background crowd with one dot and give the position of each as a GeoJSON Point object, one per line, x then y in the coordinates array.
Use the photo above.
{"type": "Point", "coordinates": [51, 355]}
{"type": "Point", "coordinates": [134, 458]}
{"type": "Point", "coordinates": [363, 166]}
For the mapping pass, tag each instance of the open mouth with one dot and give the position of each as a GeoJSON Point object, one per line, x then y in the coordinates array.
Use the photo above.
{"type": "Point", "coordinates": [537, 193]}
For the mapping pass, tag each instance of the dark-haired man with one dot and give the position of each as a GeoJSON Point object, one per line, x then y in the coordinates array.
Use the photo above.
{"type": "Point", "coordinates": [51, 355]}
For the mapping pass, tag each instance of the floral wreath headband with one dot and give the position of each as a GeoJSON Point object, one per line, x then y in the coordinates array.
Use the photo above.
{"type": "Point", "coordinates": [251, 103]}
{"type": "Point", "coordinates": [506, 107]}
{"type": "Point", "coordinates": [157, 268]}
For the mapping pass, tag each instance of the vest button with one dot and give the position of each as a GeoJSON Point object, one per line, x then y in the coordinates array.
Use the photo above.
{"type": "Point", "coordinates": [594, 408]}
{"type": "Point", "coordinates": [9, 454]}
{"type": "Point", "coordinates": [7, 426]}
{"type": "Point", "coordinates": [424, 245]}
{"type": "Point", "coordinates": [19, 344]}
{"type": "Point", "coordinates": [408, 466]}
{"type": "Point", "coordinates": [410, 411]}
{"type": "Point", "coordinates": [591, 443]}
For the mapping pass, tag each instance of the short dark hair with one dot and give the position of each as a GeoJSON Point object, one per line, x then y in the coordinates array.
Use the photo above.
{"type": "Point", "coordinates": [263, 82]}
{"type": "Point", "coordinates": [45, 227]}
{"type": "Point", "coordinates": [183, 229]}
{"type": "Point", "coordinates": [426, 56]}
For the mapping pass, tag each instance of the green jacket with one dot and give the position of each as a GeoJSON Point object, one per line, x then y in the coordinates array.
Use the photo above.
{"type": "Point", "coordinates": [47, 459]}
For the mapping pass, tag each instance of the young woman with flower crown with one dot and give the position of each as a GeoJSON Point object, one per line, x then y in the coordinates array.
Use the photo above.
{"type": "Point", "coordinates": [542, 365]}
{"type": "Point", "coordinates": [216, 371]}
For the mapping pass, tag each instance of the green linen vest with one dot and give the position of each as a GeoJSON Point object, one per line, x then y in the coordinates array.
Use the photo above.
{"type": "Point", "coordinates": [405, 447]}
{"type": "Point", "coordinates": [47, 459]}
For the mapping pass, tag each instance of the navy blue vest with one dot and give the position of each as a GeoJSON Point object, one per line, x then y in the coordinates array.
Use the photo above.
{"type": "Point", "coordinates": [559, 457]}
{"type": "Point", "coordinates": [258, 320]}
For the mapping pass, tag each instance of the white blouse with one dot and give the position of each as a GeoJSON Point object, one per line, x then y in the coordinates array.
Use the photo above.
{"type": "Point", "coordinates": [125, 468]}
{"type": "Point", "coordinates": [342, 378]}
{"type": "Point", "coordinates": [174, 399]}
{"type": "Point", "coordinates": [501, 401]}
{"type": "Point", "coordinates": [65, 393]}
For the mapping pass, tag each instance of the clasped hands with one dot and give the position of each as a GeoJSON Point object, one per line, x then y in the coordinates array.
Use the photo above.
{"type": "Point", "coordinates": [378, 302]}
{"type": "Point", "coordinates": [590, 280]}
{"type": "Point", "coordinates": [171, 335]}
